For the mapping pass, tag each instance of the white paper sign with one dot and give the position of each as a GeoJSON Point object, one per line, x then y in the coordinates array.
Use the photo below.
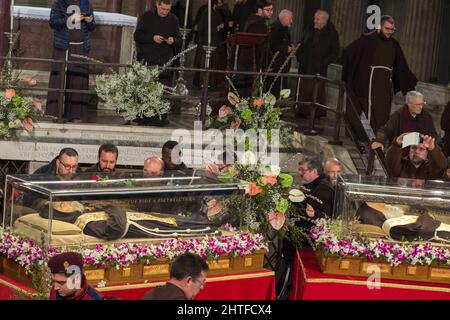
{"type": "Point", "coordinates": [411, 139]}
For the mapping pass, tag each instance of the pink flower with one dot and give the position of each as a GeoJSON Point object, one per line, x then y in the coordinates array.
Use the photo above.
{"type": "Point", "coordinates": [10, 93]}
{"type": "Point", "coordinates": [31, 82]}
{"type": "Point", "coordinates": [38, 104]}
{"type": "Point", "coordinates": [258, 102]}
{"type": "Point", "coordinates": [224, 111]}
{"type": "Point", "coordinates": [235, 124]}
{"type": "Point", "coordinates": [28, 125]}
{"type": "Point", "coordinates": [269, 180]}
{"type": "Point", "coordinates": [277, 220]}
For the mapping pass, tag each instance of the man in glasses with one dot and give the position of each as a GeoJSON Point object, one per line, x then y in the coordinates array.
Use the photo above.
{"type": "Point", "coordinates": [424, 160]}
{"type": "Point", "coordinates": [68, 279]}
{"type": "Point", "coordinates": [411, 118]}
{"type": "Point", "coordinates": [65, 163]}
{"type": "Point", "coordinates": [375, 68]}
{"type": "Point", "coordinates": [187, 279]}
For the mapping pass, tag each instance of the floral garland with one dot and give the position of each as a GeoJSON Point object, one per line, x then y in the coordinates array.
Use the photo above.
{"type": "Point", "coordinates": [325, 236]}
{"type": "Point", "coordinates": [30, 256]}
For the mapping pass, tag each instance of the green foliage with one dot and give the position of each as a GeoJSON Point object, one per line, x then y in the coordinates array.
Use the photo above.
{"type": "Point", "coordinates": [135, 94]}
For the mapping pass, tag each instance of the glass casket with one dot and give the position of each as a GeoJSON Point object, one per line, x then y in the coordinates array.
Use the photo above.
{"type": "Point", "coordinates": [128, 206]}
{"type": "Point", "coordinates": [128, 226]}
{"type": "Point", "coordinates": [399, 226]}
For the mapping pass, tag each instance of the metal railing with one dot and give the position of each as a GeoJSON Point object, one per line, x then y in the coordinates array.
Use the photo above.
{"type": "Point", "coordinates": [344, 101]}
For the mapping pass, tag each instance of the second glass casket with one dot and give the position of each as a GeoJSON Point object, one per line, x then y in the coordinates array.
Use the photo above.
{"type": "Point", "coordinates": [88, 209]}
{"type": "Point", "coordinates": [397, 227]}
{"type": "Point", "coordinates": [402, 210]}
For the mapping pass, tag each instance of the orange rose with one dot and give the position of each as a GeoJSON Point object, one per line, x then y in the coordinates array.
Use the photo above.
{"type": "Point", "coordinates": [269, 180]}
{"type": "Point", "coordinates": [224, 111]}
{"type": "Point", "coordinates": [258, 102]}
{"type": "Point", "coordinates": [10, 93]}
{"type": "Point", "coordinates": [37, 104]}
{"type": "Point", "coordinates": [235, 124]}
{"type": "Point", "coordinates": [28, 125]}
{"type": "Point", "coordinates": [254, 189]}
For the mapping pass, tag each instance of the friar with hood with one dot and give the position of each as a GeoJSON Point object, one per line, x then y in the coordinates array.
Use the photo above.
{"type": "Point", "coordinates": [375, 68]}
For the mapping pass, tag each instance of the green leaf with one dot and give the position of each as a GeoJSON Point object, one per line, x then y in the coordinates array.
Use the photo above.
{"type": "Point", "coordinates": [286, 180]}
{"type": "Point", "coordinates": [282, 205]}
{"type": "Point", "coordinates": [247, 114]}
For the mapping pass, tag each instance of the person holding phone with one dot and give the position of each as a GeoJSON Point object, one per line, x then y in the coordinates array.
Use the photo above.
{"type": "Point", "coordinates": [72, 21]}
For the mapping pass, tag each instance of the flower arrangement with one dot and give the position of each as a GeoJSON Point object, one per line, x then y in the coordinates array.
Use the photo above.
{"type": "Point", "coordinates": [30, 256]}
{"type": "Point", "coordinates": [325, 234]}
{"type": "Point", "coordinates": [272, 203]}
{"type": "Point", "coordinates": [17, 112]}
{"type": "Point", "coordinates": [137, 93]}
{"type": "Point", "coordinates": [252, 113]}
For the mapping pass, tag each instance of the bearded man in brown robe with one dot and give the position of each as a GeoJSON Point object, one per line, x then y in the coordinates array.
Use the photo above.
{"type": "Point", "coordinates": [375, 68]}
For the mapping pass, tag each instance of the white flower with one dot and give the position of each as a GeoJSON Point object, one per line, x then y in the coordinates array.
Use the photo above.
{"type": "Point", "coordinates": [270, 170]}
{"type": "Point", "coordinates": [296, 196]}
{"type": "Point", "coordinates": [249, 158]}
{"type": "Point", "coordinates": [101, 284]}
{"type": "Point", "coordinates": [285, 93]}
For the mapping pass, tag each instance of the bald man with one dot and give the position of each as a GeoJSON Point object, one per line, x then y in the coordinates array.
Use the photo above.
{"type": "Point", "coordinates": [153, 167]}
{"type": "Point", "coordinates": [280, 41]}
{"type": "Point", "coordinates": [333, 168]}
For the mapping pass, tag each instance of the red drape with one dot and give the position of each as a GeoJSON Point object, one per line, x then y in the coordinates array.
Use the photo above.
{"type": "Point", "coordinates": [309, 283]}
{"type": "Point", "coordinates": [247, 286]}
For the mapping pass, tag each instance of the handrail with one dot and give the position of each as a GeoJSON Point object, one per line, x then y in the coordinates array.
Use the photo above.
{"type": "Point", "coordinates": [344, 99]}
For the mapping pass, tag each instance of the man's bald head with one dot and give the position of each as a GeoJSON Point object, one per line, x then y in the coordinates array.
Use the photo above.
{"type": "Point", "coordinates": [153, 167]}
{"type": "Point", "coordinates": [333, 167]}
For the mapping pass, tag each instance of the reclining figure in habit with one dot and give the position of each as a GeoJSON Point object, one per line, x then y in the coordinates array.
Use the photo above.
{"type": "Point", "coordinates": [109, 221]}
{"type": "Point", "coordinates": [399, 224]}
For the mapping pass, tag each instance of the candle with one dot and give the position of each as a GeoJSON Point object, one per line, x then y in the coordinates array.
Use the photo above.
{"type": "Point", "coordinates": [186, 14]}
{"type": "Point", "coordinates": [12, 16]}
{"type": "Point", "coordinates": [209, 23]}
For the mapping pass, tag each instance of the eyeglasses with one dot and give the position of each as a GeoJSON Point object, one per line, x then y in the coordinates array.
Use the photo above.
{"type": "Point", "coordinates": [202, 283]}
{"type": "Point", "coordinates": [268, 9]}
{"type": "Point", "coordinates": [303, 170]}
{"type": "Point", "coordinates": [68, 166]}
{"type": "Point", "coordinates": [418, 148]}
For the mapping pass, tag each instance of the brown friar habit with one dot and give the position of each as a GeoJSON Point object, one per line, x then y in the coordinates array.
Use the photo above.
{"type": "Point", "coordinates": [252, 57]}
{"type": "Point", "coordinates": [445, 125]}
{"type": "Point", "coordinates": [218, 58]}
{"type": "Point", "coordinates": [168, 291]}
{"type": "Point", "coordinates": [401, 121]}
{"type": "Point", "coordinates": [374, 50]}
{"type": "Point", "coordinates": [402, 167]}
{"type": "Point", "coordinates": [280, 40]}
{"type": "Point", "coordinates": [113, 223]}
{"type": "Point", "coordinates": [318, 49]}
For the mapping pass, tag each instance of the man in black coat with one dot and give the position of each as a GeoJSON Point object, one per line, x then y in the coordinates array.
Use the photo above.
{"type": "Point", "coordinates": [157, 36]}
{"type": "Point", "coordinates": [314, 179]}
{"type": "Point", "coordinates": [374, 68]}
{"type": "Point", "coordinates": [253, 57]}
{"type": "Point", "coordinates": [319, 48]}
{"type": "Point", "coordinates": [281, 46]}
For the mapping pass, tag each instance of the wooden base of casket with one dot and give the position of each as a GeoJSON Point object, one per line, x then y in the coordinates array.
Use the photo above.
{"type": "Point", "coordinates": [157, 271]}
{"type": "Point", "coordinates": [358, 266]}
